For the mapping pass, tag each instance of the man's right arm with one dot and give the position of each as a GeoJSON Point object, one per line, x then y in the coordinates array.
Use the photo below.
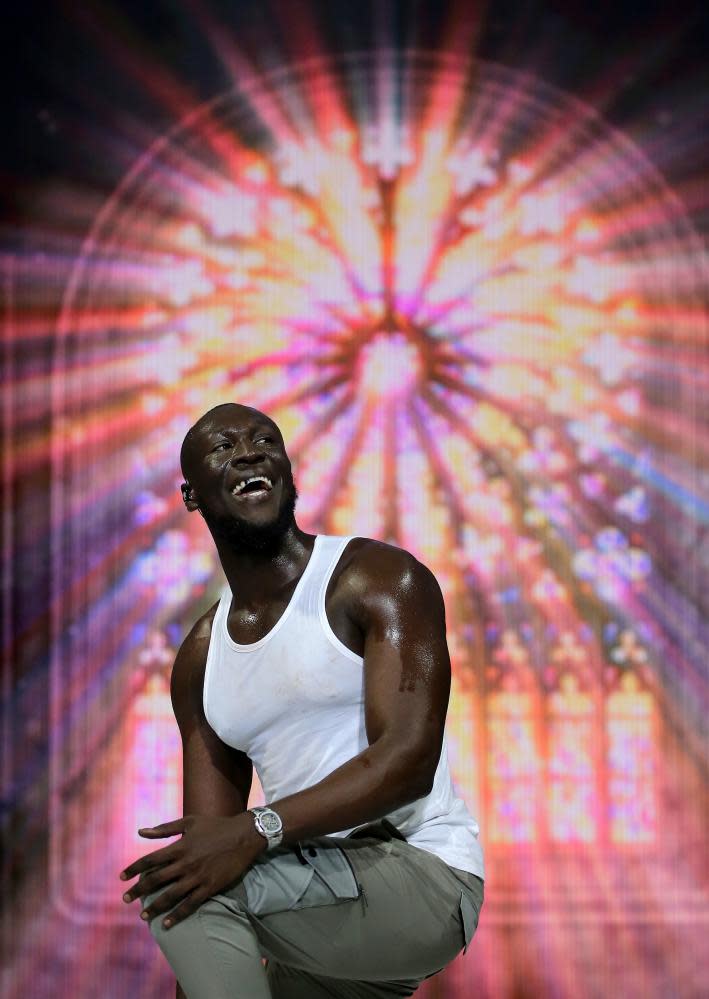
{"type": "Point", "coordinates": [216, 778]}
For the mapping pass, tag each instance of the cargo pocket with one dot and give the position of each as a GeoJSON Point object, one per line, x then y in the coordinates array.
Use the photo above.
{"type": "Point", "coordinates": [333, 877]}
{"type": "Point", "coordinates": [276, 883]}
{"type": "Point", "coordinates": [469, 919]}
{"type": "Point", "coordinates": [307, 876]}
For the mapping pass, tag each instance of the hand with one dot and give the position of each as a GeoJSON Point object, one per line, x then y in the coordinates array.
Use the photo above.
{"type": "Point", "coordinates": [211, 854]}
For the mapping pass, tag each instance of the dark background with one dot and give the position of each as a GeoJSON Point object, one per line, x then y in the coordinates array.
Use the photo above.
{"type": "Point", "coordinates": [69, 97]}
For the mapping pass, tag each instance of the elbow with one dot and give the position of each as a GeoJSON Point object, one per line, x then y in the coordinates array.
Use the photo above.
{"type": "Point", "coordinates": [418, 770]}
{"type": "Point", "coordinates": [424, 781]}
{"type": "Point", "coordinates": [407, 769]}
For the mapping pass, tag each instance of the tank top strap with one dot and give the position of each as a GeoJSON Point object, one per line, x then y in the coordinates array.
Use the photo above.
{"type": "Point", "coordinates": [328, 551]}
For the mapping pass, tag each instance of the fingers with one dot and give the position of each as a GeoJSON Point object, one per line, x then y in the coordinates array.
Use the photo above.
{"type": "Point", "coordinates": [173, 828]}
{"type": "Point", "coordinates": [182, 892]}
{"type": "Point", "coordinates": [150, 882]}
{"type": "Point", "coordinates": [157, 858]}
{"type": "Point", "coordinates": [188, 906]}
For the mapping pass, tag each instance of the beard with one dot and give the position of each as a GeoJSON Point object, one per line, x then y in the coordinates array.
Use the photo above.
{"type": "Point", "coordinates": [261, 539]}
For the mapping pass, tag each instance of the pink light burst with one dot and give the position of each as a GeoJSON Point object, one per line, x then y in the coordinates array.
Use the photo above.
{"type": "Point", "coordinates": [468, 314]}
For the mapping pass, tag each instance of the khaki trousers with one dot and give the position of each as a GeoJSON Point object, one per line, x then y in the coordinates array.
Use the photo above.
{"type": "Point", "coordinates": [362, 916]}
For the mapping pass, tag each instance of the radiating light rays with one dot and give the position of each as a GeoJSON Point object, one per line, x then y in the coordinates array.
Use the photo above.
{"type": "Point", "coordinates": [477, 313]}
{"type": "Point", "coordinates": [326, 458]}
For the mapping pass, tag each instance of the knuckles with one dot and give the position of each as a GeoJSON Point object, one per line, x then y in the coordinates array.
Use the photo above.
{"type": "Point", "coordinates": [194, 862]}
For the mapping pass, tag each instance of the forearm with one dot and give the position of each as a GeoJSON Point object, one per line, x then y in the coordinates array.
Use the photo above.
{"type": "Point", "coordinates": [371, 785]}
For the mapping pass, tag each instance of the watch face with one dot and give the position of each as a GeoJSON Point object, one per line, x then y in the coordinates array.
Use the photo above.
{"type": "Point", "coordinates": [270, 822]}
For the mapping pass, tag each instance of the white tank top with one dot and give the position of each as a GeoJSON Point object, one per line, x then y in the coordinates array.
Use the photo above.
{"type": "Point", "coordinates": [293, 702]}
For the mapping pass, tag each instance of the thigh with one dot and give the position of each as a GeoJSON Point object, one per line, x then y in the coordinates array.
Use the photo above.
{"type": "Point", "coordinates": [210, 950]}
{"type": "Point", "coordinates": [404, 923]}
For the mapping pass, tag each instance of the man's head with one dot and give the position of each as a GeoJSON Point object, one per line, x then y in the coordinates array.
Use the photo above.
{"type": "Point", "coordinates": [238, 475]}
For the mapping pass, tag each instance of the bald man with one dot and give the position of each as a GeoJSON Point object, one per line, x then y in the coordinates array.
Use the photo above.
{"type": "Point", "coordinates": [324, 666]}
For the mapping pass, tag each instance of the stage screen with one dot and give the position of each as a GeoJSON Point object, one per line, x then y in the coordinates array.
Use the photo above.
{"type": "Point", "coordinates": [476, 307]}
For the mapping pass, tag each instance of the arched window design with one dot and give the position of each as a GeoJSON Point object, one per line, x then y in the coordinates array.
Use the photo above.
{"type": "Point", "coordinates": [631, 746]}
{"type": "Point", "coordinates": [126, 777]}
{"type": "Point", "coordinates": [154, 760]}
{"type": "Point", "coordinates": [512, 745]}
{"type": "Point", "coordinates": [151, 778]}
{"type": "Point", "coordinates": [571, 771]}
{"type": "Point", "coordinates": [462, 737]}
{"type": "Point", "coordinates": [572, 725]}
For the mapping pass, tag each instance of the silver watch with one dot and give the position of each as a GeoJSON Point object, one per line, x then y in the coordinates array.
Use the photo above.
{"type": "Point", "coordinates": [268, 824]}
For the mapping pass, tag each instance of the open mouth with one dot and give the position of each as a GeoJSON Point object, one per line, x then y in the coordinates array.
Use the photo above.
{"type": "Point", "coordinates": [254, 489]}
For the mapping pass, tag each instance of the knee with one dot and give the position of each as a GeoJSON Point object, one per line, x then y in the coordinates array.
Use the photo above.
{"type": "Point", "coordinates": [207, 918]}
{"type": "Point", "coordinates": [191, 950]}
{"type": "Point", "coordinates": [176, 937]}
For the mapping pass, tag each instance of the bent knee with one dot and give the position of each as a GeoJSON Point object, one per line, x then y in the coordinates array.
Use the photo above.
{"type": "Point", "coordinates": [211, 913]}
{"type": "Point", "coordinates": [175, 935]}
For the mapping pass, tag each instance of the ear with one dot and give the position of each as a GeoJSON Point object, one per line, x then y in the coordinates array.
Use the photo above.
{"type": "Point", "coordinates": [188, 497]}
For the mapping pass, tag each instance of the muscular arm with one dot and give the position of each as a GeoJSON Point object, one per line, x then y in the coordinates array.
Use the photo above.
{"type": "Point", "coordinates": [397, 605]}
{"type": "Point", "coordinates": [216, 779]}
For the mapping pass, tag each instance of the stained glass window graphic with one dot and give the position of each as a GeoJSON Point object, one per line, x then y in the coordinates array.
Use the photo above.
{"type": "Point", "coordinates": [513, 756]}
{"type": "Point", "coordinates": [153, 770]}
{"type": "Point", "coordinates": [464, 756]}
{"type": "Point", "coordinates": [512, 766]}
{"type": "Point", "coordinates": [150, 761]}
{"type": "Point", "coordinates": [630, 728]}
{"type": "Point", "coordinates": [571, 773]}
{"type": "Point", "coordinates": [134, 780]}
{"type": "Point", "coordinates": [466, 324]}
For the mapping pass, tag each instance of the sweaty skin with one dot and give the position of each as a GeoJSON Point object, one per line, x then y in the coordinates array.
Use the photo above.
{"type": "Point", "coordinates": [381, 603]}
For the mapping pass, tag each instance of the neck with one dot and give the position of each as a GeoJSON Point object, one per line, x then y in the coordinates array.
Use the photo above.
{"type": "Point", "coordinates": [257, 576]}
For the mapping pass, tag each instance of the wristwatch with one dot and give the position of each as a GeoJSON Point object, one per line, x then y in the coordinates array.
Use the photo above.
{"type": "Point", "coordinates": [268, 824]}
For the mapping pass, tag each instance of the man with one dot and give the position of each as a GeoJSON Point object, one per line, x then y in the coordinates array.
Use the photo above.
{"type": "Point", "coordinates": [325, 666]}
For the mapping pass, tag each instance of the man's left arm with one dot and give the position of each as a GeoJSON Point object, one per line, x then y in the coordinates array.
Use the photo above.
{"type": "Point", "coordinates": [397, 604]}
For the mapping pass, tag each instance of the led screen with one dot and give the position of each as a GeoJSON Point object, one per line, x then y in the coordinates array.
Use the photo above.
{"type": "Point", "coordinates": [476, 311]}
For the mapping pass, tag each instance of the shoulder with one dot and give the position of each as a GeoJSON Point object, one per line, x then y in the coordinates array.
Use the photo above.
{"type": "Point", "coordinates": [188, 672]}
{"type": "Point", "coordinates": [371, 572]}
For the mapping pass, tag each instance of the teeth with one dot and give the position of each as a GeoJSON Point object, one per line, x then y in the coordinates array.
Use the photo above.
{"type": "Point", "coordinates": [254, 478]}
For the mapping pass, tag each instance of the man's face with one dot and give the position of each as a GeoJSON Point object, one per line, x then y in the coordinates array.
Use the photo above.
{"type": "Point", "coordinates": [235, 461]}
